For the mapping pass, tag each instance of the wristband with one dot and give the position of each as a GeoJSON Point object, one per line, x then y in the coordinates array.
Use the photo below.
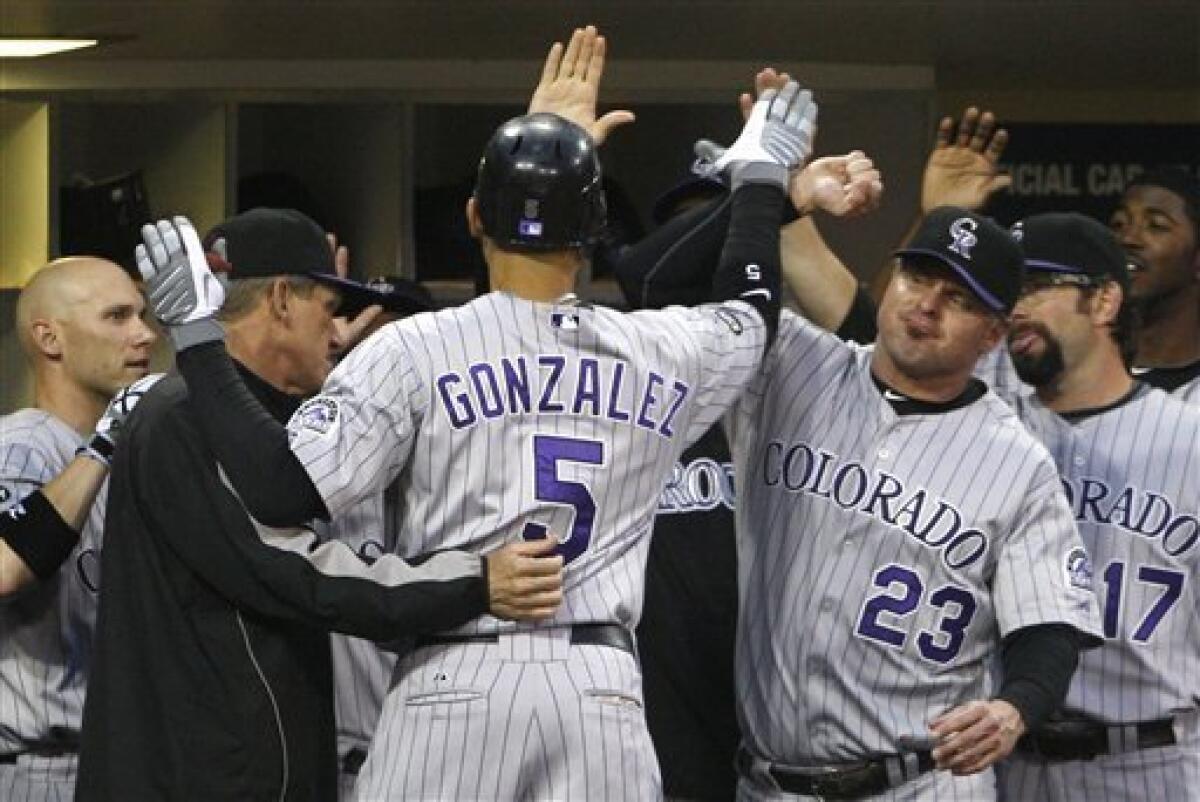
{"type": "Point", "coordinates": [99, 448]}
{"type": "Point", "coordinates": [37, 534]}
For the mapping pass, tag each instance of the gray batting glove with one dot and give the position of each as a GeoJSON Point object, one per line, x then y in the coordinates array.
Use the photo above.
{"type": "Point", "coordinates": [777, 138]}
{"type": "Point", "coordinates": [108, 429]}
{"type": "Point", "coordinates": [181, 288]}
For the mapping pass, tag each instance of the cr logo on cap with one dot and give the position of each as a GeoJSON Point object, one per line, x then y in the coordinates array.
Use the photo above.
{"type": "Point", "coordinates": [962, 230]}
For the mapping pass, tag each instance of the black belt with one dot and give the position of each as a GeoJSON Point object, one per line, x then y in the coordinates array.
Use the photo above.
{"type": "Point", "coordinates": [353, 760]}
{"type": "Point", "coordinates": [614, 635]}
{"type": "Point", "coordinates": [849, 781]}
{"type": "Point", "coordinates": [1077, 739]}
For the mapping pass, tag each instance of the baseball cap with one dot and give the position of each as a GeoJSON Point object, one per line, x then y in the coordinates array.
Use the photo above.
{"type": "Point", "coordinates": [693, 188]}
{"type": "Point", "coordinates": [265, 242]}
{"type": "Point", "coordinates": [1069, 242]}
{"type": "Point", "coordinates": [977, 249]}
{"type": "Point", "coordinates": [399, 296]}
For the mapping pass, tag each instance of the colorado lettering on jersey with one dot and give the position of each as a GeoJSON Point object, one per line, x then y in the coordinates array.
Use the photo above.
{"type": "Point", "coordinates": [1142, 512]}
{"type": "Point", "coordinates": [934, 522]}
{"type": "Point", "coordinates": [701, 485]}
{"type": "Point", "coordinates": [544, 385]}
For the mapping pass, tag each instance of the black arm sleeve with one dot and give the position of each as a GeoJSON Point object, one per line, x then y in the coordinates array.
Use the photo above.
{"type": "Point", "coordinates": [169, 486]}
{"type": "Point", "coordinates": [675, 263]}
{"type": "Point", "coordinates": [251, 446]}
{"type": "Point", "coordinates": [753, 240]}
{"type": "Point", "coordinates": [859, 324]}
{"type": "Point", "coordinates": [1037, 663]}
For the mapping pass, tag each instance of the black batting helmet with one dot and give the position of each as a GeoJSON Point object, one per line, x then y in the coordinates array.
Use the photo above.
{"type": "Point", "coordinates": [539, 185]}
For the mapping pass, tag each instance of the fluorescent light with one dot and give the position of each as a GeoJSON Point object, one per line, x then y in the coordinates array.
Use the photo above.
{"type": "Point", "coordinates": [21, 47]}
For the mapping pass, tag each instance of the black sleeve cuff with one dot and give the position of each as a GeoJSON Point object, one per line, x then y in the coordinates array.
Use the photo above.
{"type": "Point", "coordinates": [1037, 664]}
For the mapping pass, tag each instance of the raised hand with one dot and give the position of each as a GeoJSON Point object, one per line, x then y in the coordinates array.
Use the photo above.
{"type": "Point", "coordinates": [843, 186]}
{"type": "Point", "coordinates": [350, 330]}
{"type": "Point", "coordinates": [777, 136]}
{"type": "Point", "coordinates": [963, 168]}
{"type": "Point", "coordinates": [570, 84]}
{"type": "Point", "coordinates": [180, 286]}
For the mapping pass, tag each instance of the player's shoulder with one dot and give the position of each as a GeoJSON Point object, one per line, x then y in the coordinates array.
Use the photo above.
{"type": "Point", "coordinates": [36, 431]}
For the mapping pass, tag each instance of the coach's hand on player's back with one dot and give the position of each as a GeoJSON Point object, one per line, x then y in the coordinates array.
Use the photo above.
{"type": "Point", "coordinates": [525, 580]}
{"type": "Point", "coordinates": [180, 286]}
{"type": "Point", "coordinates": [975, 735]}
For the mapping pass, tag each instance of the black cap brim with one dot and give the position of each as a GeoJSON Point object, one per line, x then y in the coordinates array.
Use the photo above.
{"type": "Point", "coordinates": [356, 296]}
{"type": "Point", "coordinates": [989, 300]}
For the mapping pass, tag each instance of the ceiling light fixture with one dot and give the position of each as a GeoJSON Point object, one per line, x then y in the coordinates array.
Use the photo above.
{"type": "Point", "coordinates": [29, 47]}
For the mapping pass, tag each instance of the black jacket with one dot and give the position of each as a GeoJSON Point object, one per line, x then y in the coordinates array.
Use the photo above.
{"type": "Point", "coordinates": [212, 677]}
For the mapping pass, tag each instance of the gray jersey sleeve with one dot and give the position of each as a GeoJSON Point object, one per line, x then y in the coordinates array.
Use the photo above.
{"type": "Point", "coordinates": [727, 363]}
{"type": "Point", "coordinates": [354, 438]}
{"type": "Point", "coordinates": [1043, 573]}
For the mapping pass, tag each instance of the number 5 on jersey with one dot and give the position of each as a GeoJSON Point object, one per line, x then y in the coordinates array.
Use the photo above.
{"type": "Point", "coordinates": [549, 452]}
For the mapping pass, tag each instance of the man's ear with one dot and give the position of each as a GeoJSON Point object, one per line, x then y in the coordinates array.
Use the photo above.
{"type": "Point", "coordinates": [995, 334]}
{"type": "Point", "coordinates": [1106, 303]}
{"type": "Point", "coordinates": [279, 298]}
{"type": "Point", "coordinates": [474, 221]}
{"type": "Point", "coordinates": [46, 338]}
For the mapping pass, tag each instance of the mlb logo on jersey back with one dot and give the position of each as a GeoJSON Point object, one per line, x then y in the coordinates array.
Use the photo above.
{"type": "Point", "coordinates": [567, 321]}
{"type": "Point", "coordinates": [318, 415]}
{"type": "Point", "coordinates": [1077, 567]}
{"type": "Point", "coordinates": [530, 228]}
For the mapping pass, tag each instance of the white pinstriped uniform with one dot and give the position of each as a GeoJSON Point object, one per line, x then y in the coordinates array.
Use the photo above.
{"type": "Point", "coordinates": [45, 632]}
{"type": "Point", "coordinates": [880, 557]}
{"type": "Point", "coordinates": [362, 670]}
{"type": "Point", "coordinates": [500, 418]}
{"type": "Point", "coordinates": [1130, 473]}
{"type": "Point", "coordinates": [1189, 393]}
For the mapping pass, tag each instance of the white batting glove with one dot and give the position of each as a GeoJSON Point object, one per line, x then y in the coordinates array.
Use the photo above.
{"type": "Point", "coordinates": [108, 429]}
{"type": "Point", "coordinates": [777, 138]}
{"type": "Point", "coordinates": [180, 285]}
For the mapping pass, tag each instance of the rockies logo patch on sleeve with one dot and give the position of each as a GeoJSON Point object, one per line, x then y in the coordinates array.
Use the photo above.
{"type": "Point", "coordinates": [318, 415]}
{"type": "Point", "coordinates": [1078, 569]}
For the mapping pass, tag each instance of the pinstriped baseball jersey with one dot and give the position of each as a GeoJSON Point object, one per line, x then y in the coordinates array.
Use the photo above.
{"type": "Point", "coordinates": [1129, 472]}
{"type": "Point", "coordinates": [1183, 383]}
{"type": "Point", "coordinates": [1130, 475]}
{"type": "Point", "coordinates": [46, 632]}
{"type": "Point", "coordinates": [505, 418]}
{"type": "Point", "coordinates": [880, 555]}
{"type": "Point", "coordinates": [362, 670]}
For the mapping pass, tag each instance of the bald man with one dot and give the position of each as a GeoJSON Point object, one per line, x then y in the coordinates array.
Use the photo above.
{"type": "Point", "coordinates": [80, 325]}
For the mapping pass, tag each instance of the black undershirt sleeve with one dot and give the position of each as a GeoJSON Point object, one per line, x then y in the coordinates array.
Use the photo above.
{"type": "Point", "coordinates": [675, 263]}
{"type": "Point", "coordinates": [859, 325]}
{"type": "Point", "coordinates": [749, 269]}
{"type": "Point", "coordinates": [1037, 664]}
{"type": "Point", "coordinates": [251, 446]}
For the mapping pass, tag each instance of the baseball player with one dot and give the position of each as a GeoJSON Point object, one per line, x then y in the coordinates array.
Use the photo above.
{"type": "Point", "coordinates": [1158, 223]}
{"type": "Point", "coordinates": [211, 674]}
{"type": "Point", "coordinates": [895, 518]}
{"type": "Point", "coordinates": [1129, 728]}
{"type": "Point", "coordinates": [521, 412]}
{"type": "Point", "coordinates": [79, 324]}
{"type": "Point", "coordinates": [362, 669]}
{"type": "Point", "coordinates": [686, 634]}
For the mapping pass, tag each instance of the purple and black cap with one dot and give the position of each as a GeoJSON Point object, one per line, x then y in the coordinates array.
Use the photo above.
{"type": "Point", "coordinates": [981, 253]}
